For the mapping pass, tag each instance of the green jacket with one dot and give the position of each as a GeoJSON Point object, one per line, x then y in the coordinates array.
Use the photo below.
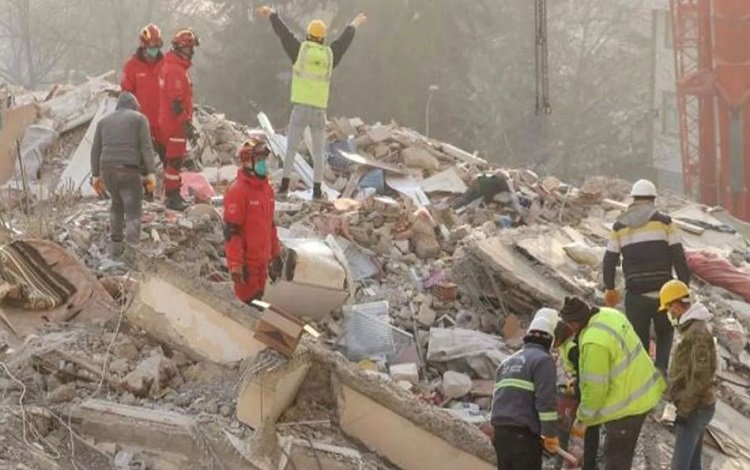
{"type": "Point", "coordinates": [693, 366]}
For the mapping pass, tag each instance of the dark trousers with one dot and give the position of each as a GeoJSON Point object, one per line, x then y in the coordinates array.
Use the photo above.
{"type": "Point", "coordinates": [590, 448]}
{"type": "Point", "coordinates": [688, 432]}
{"type": "Point", "coordinates": [517, 449]}
{"type": "Point", "coordinates": [622, 436]}
{"type": "Point", "coordinates": [126, 190]}
{"type": "Point", "coordinates": [641, 311]}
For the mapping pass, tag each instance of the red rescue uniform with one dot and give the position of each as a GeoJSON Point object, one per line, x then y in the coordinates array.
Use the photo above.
{"type": "Point", "coordinates": [175, 109]}
{"type": "Point", "coordinates": [251, 238]}
{"type": "Point", "coordinates": [141, 78]}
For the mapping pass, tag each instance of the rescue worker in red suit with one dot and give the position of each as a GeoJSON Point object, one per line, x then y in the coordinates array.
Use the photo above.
{"type": "Point", "coordinates": [140, 76]}
{"type": "Point", "coordinates": [251, 243]}
{"type": "Point", "coordinates": [176, 112]}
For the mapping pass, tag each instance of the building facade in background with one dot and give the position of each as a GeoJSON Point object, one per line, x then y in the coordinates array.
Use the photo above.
{"type": "Point", "coordinates": [666, 123]}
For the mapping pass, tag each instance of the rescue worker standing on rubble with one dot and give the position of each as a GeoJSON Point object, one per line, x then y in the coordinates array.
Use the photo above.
{"type": "Point", "coordinates": [140, 76]}
{"type": "Point", "coordinates": [619, 383]}
{"type": "Point", "coordinates": [691, 377]}
{"type": "Point", "coordinates": [311, 79]}
{"type": "Point", "coordinates": [650, 248]}
{"type": "Point", "coordinates": [121, 155]}
{"type": "Point", "coordinates": [524, 406]}
{"type": "Point", "coordinates": [251, 242]}
{"type": "Point", "coordinates": [176, 112]}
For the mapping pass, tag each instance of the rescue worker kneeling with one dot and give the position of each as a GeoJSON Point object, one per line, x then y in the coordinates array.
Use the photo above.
{"type": "Point", "coordinates": [251, 241]}
{"type": "Point", "coordinates": [524, 407]}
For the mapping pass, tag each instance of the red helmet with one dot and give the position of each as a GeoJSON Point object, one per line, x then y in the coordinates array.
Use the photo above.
{"type": "Point", "coordinates": [252, 148]}
{"type": "Point", "coordinates": [185, 38]}
{"type": "Point", "coordinates": [151, 36]}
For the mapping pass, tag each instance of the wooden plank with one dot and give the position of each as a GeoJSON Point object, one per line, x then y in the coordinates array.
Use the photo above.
{"type": "Point", "coordinates": [463, 155]}
{"type": "Point", "coordinates": [13, 125]}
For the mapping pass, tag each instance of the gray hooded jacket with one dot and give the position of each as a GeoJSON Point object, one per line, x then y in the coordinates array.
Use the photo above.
{"type": "Point", "coordinates": [123, 139]}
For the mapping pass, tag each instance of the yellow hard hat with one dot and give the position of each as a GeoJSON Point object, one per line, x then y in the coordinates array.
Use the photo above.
{"type": "Point", "coordinates": [671, 291]}
{"type": "Point", "coordinates": [317, 29]}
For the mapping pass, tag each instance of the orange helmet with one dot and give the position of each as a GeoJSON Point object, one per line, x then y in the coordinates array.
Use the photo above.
{"type": "Point", "coordinates": [252, 148]}
{"type": "Point", "coordinates": [185, 38]}
{"type": "Point", "coordinates": [151, 36]}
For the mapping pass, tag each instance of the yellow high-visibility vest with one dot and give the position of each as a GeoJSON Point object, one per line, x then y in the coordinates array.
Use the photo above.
{"type": "Point", "coordinates": [311, 80]}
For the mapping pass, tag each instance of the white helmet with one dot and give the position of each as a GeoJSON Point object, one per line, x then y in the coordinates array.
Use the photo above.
{"type": "Point", "coordinates": [643, 188]}
{"type": "Point", "coordinates": [545, 320]}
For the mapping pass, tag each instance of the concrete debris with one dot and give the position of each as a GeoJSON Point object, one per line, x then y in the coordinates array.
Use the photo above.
{"type": "Point", "coordinates": [392, 296]}
{"type": "Point", "coordinates": [456, 385]}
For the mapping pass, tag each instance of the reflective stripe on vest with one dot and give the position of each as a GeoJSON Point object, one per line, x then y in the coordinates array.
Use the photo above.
{"type": "Point", "coordinates": [311, 77]}
{"type": "Point", "coordinates": [614, 408]}
{"type": "Point", "coordinates": [515, 383]}
{"type": "Point", "coordinates": [548, 416]}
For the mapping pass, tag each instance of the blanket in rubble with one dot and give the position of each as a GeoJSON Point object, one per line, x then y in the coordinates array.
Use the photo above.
{"type": "Point", "coordinates": [39, 286]}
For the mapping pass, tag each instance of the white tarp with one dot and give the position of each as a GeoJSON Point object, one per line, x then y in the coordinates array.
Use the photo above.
{"type": "Point", "coordinates": [77, 173]}
{"type": "Point", "coordinates": [466, 350]}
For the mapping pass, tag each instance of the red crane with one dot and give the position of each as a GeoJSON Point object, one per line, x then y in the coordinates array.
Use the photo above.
{"type": "Point", "coordinates": [712, 65]}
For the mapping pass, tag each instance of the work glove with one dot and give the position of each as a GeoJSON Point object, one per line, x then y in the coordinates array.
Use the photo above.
{"type": "Point", "coordinates": [190, 132]}
{"type": "Point", "coordinates": [265, 11]}
{"type": "Point", "coordinates": [611, 297]}
{"type": "Point", "coordinates": [98, 184]}
{"type": "Point", "coordinates": [551, 444]}
{"type": "Point", "coordinates": [275, 268]}
{"type": "Point", "coordinates": [578, 430]}
{"type": "Point", "coordinates": [149, 183]}
{"type": "Point", "coordinates": [239, 274]}
{"type": "Point", "coordinates": [359, 20]}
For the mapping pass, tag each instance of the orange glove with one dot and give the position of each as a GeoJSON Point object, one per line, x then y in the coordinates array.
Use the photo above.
{"type": "Point", "coordinates": [98, 184]}
{"type": "Point", "coordinates": [578, 430]}
{"type": "Point", "coordinates": [265, 11]}
{"type": "Point", "coordinates": [611, 297]}
{"type": "Point", "coordinates": [551, 444]}
{"type": "Point", "coordinates": [238, 273]}
{"type": "Point", "coordinates": [149, 183]}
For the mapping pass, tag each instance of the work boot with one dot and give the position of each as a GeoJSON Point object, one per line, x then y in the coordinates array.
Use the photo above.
{"type": "Point", "coordinates": [284, 187]}
{"type": "Point", "coordinates": [317, 192]}
{"type": "Point", "coordinates": [174, 201]}
{"type": "Point", "coordinates": [115, 249]}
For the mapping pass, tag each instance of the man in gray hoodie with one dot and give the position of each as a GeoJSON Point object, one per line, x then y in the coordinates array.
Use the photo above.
{"type": "Point", "coordinates": [122, 161]}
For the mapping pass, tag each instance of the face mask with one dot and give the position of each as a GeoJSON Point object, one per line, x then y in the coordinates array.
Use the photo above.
{"type": "Point", "coordinates": [674, 321]}
{"type": "Point", "coordinates": [261, 168]}
{"type": "Point", "coordinates": [152, 52]}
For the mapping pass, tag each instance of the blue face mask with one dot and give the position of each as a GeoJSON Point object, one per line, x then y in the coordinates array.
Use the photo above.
{"type": "Point", "coordinates": [152, 52]}
{"type": "Point", "coordinates": [261, 168]}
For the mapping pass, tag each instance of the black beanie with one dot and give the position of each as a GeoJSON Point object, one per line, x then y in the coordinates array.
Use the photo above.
{"type": "Point", "coordinates": [576, 310]}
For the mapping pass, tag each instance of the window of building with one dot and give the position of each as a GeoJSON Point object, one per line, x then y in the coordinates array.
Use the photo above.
{"type": "Point", "coordinates": [670, 115]}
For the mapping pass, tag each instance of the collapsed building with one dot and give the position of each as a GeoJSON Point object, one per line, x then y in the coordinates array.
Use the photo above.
{"type": "Point", "coordinates": [376, 349]}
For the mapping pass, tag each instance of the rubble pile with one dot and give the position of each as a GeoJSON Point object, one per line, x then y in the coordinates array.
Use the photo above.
{"type": "Point", "coordinates": [377, 347]}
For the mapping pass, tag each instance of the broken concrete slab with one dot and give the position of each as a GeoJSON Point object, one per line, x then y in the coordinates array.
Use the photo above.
{"type": "Point", "coordinates": [193, 318]}
{"type": "Point", "coordinates": [456, 384]}
{"type": "Point", "coordinates": [516, 271]}
{"type": "Point", "coordinates": [269, 386]}
{"type": "Point", "coordinates": [463, 155]}
{"type": "Point", "coordinates": [79, 105]}
{"type": "Point", "coordinates": [446, 181]}
{"type": "Point", "coordinates": [174, 434]}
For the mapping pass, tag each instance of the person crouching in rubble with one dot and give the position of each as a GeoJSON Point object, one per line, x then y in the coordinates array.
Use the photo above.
{"type": "Point", "coordinates": [619, 383]}
{"type": "Point", "coordinates": [691, 377]}
{"type": "Point", "coordinates": [122, 164]}
{"type": "Point", "coordinates": [567, 343]}
{"type": "Point", "coordinates": [524, 406]}
{"type": "Point", "coordinates": [251, 242]}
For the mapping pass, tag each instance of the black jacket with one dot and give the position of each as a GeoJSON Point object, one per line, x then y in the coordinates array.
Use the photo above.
{"type": "Point", "coordinates": [650, 248]}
